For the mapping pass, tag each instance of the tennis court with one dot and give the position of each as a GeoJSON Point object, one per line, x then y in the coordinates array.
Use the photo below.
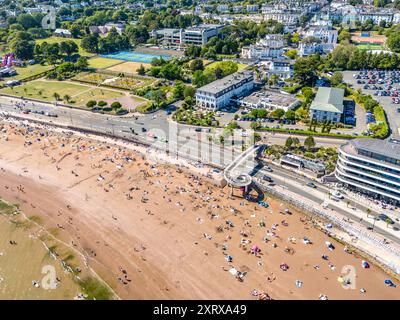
{"type": "Point", "coordinates": [134, 56]}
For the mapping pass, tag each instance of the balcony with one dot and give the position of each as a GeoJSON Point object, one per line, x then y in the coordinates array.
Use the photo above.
{"type": "Point", "coordinates": [347, 178]}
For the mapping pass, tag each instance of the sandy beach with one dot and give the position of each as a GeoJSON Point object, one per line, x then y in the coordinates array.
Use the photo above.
{"type": "Point", "coordinates": [156, 231]}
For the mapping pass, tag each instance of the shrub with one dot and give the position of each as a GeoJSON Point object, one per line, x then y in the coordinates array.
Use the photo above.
{"type": "Point", "coordinates": [121, 112]}
{"type": "Point", "coordinates": [91, 104]}
{"type": "Point", "coordinates": [102, 103]}
{"type": "Point", "coordinates": [116, 105]}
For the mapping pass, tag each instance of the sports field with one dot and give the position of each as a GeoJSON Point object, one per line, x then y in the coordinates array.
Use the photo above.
{"type": "Point", "coordinates": [129, 67]}
{"type": "Point", "coordinates": [102, 63]}
{"type": "Point", "coordinates": [369, 46]}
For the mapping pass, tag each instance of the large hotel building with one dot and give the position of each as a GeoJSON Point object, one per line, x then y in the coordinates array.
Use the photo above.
{"type": "Point", "coordinates": [371, 166]}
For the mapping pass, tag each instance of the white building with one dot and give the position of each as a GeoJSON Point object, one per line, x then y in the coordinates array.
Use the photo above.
{"type": "Point", "coordinates": [327, 105]}
{"type": "Point", "coordinates": [371, 166]}
{"type": "Point", "coordinates": [223, 8]}
{"type": "Point", "coordinates": [283, 68]}
{"type": "Point", "coordinates": [376, 16]}
{"type": "Point", "coordinates": [219, 93]}
{"type": "Point", "coordinates": [197, 35]}
{"type": "Point", "coordinates": [103, 30]}
{"type": "Point", "coordinates": [325, 34]}
{"type": "Point", "coordinates": [62, 33]}
{"type": "Point", "coordinates": [270, 47]}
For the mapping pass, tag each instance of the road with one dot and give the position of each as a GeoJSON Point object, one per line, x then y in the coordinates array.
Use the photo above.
{"type": "Point", "coordinates": [182, 140]}
{"type": "Point", "coordinates": [298, 185]}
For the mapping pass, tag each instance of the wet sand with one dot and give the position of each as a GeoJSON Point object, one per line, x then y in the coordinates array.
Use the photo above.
{"type": "Point", "coordinates": [154, 231]}
{"type": "Point", "coordinates": [24, 259]}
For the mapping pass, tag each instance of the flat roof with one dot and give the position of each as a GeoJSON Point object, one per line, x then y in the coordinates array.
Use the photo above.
{"type": "Point", "coordinates": [270, 96]}
{"type": "Point", "coordinates": [224, 83]}
{"type": "Point", "coordinates": [382, 147]}
{"type": "Point", "coordinates": [328, 99]}
{"type": "Point", "coordinates": [204, 27]}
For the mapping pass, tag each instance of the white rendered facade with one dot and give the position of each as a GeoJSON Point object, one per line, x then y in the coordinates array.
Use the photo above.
{"type": "Point", "coordinates": [371, 166]}
{"type": "Point", "coordinates": [219, 93]}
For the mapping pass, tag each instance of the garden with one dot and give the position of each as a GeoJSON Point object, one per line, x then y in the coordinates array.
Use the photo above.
{"type": "Point", "coordinates": [115, 81]}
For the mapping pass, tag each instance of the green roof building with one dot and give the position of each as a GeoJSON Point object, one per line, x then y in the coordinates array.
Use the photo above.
{"type": "Point", "coordinates": [327, 105]}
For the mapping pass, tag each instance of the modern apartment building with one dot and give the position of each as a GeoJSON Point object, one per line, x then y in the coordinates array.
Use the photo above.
{"type": "Point", "coordinates": [371, 166]}
{"type": "Point", "coordinates": [219, 93]}
{"type": "Point", "coordinates": [197, 35]}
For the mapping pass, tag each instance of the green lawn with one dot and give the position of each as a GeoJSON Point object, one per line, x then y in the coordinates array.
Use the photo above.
{"type": "Point", "coordinates": [242, 66]}
{"type": "Point", "coordinates": [60, 39]}
{"type": "Point", "coordinates": [102, 63]}
{"type": "Point", "coordinates": [31, 70]}
{"type": "Point", "coordinates": [215, 64]}
{"type": "Point", "coordinates": [366, 46]}
{"type": "Point", "coordinates": [79, 94]}
{"type": "Point", "coordinates": [44, 90]}
{"type": "Point", "coordinates": [96, 94]}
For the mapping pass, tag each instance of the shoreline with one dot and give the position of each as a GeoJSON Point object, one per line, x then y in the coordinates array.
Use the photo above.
{"type": "Point", "coordinates": [138, 234]}
{"type": "Point", "coordinates": [71, 272]}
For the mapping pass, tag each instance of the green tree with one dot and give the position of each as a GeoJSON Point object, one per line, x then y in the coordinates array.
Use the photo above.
{"type": "Point", "coordinates": [277, 113]}
{"type": "Point", "coordinates": [23, 49]}
{"type": "Point", "coordinates": [90, 43]}
{"type": "Point", "coordinates": [290, 114]}
{"type": "Point", "coordinates": [305, 69]}
{"type": "Point", "coordinates": [91, 104]}
{"type": "Point", "coordinates": [66, 98]}
{"type": "Point", "coordinates": [189, 92]}
{"type": "Point", "coordinates": [393, 42]}
{"type": "Point", "coordinates": [344, 36]}
{"type": "Point", "coordinates": [116, 105]}
{"type": "Point", "coordinates": [255, 125]}
{"type": "Point", "coordinates": [336, 79]}
{"type": "Point", "coordinates": [141, 70]}
{"type": "Point", "coordinates": [196, 64]}
{"type": "Point", "coordinates": [289, 142]}
{"type": "Point", "coordinates": [178, 90]}
{"type": "Point", "coordinates": [309, 142]}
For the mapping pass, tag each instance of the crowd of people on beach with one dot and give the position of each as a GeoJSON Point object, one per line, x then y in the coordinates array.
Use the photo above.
{"type": "Point", "coordinates": [232, 223]}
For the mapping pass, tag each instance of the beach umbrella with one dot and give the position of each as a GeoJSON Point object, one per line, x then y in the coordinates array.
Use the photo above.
{"type": "Point", "coordinates": [284, 266]}
{"type": "Point", "coordinates": [340, 279]}
{"type": "Point", "coordinates": [364, 264]}
{"type": "Point", "coordinates": [255, 248]}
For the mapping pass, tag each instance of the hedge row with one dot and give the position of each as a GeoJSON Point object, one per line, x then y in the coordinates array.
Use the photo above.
{"type": "Point", "coordinates": [308, 132]}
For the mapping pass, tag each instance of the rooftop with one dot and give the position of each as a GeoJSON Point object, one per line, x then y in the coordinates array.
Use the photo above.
{"type": "Point", "coordinates": [272, 97]}
{"type": "Point", "coordinates": [382, 147]}
{"type": "Point", "coordinates": [224, 83]}
{"type": "Point", "coordinates": [328, 99]}
{"type": "Point", "coordinates": [201, 27]}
